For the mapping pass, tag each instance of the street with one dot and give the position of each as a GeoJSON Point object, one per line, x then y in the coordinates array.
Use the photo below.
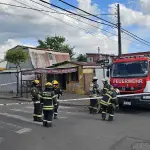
{"type": "Point", "coordinates": [74, 129]}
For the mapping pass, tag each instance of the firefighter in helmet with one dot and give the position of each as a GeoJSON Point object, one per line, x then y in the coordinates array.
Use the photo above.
{"type": "Point", "coordinates": [106, 87]}
{"type": "Point", "coordinates": [94, 92]}
{"type": "Point", "coordinates": [57, 92]}
{"type": "Point", "coordinates": [48, 99]}
{"type": "Point", "coordinates": [35, 93]}
{"type": "Point", "coordinates": [108, 103]}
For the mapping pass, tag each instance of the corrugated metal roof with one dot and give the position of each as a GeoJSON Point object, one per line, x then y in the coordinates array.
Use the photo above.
{"type": "Point", "coordinates": [43, 59]}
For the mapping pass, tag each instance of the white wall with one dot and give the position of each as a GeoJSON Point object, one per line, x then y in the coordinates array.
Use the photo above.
{"type": "Point", "coordinates": [8, 81]}
{"type": "Point", "coordinates": [99, 75]}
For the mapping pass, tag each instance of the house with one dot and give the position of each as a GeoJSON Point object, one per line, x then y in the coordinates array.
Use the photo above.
{"type": "Point", "coordinates": [40, 58]}
{"type": "Point", "coordinates": [94, 57]}
{"type": "Point", "coordinates": [73, 76]}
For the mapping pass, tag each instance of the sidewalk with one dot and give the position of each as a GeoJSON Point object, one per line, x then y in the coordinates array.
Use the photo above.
{"type": "Point", "coordinates": [65, 96]}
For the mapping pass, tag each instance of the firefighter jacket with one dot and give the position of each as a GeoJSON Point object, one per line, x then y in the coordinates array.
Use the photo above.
{"type": "Point", "coordinates": [109, 98]}
{"type": "Point", "coordinates": [57, 92]}
{"type": "Point", "coordinates": [48, 100]}
{"type": "Point", "coordinates": [106, 89]}
{"type": "Point", "coordinates": [35, 93]}
{"type": "Point", "coordinates": [94, 90]}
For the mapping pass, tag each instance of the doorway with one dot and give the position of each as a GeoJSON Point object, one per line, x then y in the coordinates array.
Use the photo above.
{"type": "Point", "coordinates": [63, 81]}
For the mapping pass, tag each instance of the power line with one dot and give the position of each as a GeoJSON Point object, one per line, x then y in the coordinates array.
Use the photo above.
{"type": "Point", "coordinates": [129, 33]}
{"type": "Point", "coordinates": [89, 32]}
{"type": "Point", "coordinates": [84, 12]}
{"type": "Point", "coordinates": [75, 13]}
{"type": "Point", "coordinates": [90, 24]}
{"type": "Point", "coordinates": [101, 19]}
{"type": "Point", "coordinates": [74, 18]}
{"type": "Point", "coordinates": [136, 38]}
{"type": "Point", "coordinates": [45, 10]}
{"type": "Point", "coordinates": [84, 22]}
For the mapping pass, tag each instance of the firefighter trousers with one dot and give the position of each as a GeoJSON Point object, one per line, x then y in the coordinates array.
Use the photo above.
{"type": "Point", "coordinates": [56, 109]}
{"type": "Point", "coordinates": [48, 117]}
{"type": "Point", "coordinates": [37, 114]}
{"type": "Point", "coordinates": [93, 106]}
{"type": "Point", "coordinates": [108, 109]}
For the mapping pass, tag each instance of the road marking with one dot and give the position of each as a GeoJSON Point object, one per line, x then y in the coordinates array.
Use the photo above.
{"type": "Point", "coordinates": [14, 128]}
{"type": "Point", "coordinates": [24, 130]}
{"type": "Point", "coordinates": [25, 119]}
{"type": "Point", "coordinates": [9, 104]}
{"type": "Point", "coordinates": [1, 140]}
{"type": "Point", "coordinates": [62, 117]}
{"type": "Point", "coordinates": [20, 110]}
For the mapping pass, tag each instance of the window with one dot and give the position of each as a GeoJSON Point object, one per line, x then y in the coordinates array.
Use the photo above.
{"type": "Point", "coordinates": [74, 76]}
{"type": "Point", "coordinates": [130, 69]}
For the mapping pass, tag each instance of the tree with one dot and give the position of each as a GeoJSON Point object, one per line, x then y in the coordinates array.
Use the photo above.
{"type": "Point", "coordinates": [82, 57]}
{"type": "Point", "coordinates": [16, 56]}
{"type": "Point", "coordinates": [57, 43]}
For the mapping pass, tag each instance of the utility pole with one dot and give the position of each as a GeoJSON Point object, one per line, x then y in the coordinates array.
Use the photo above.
{"type": "Point", "coordinates": [119, 31]}
{"type": "Point", "coordinates": [98, 53]}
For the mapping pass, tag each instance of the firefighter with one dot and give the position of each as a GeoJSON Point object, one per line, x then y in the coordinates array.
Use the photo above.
{"type": "Point", "coordinates": [57, 92]}
{"type": "Point", "coordinates": [35, 93]}
{"type": "Point", "coordinates": [94, 92]}
{"type": "Point", "coordinates": [48, 99]}
{"type": "Point", "coordinates": [108, 103]}
{"type": "Point", "coordinates": [106, 87]}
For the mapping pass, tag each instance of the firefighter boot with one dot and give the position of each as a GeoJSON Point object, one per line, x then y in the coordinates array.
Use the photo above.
{"type": "Point", "coordinates": [44, 123]}
{"type": "Point", "coordinates": [49, 124]}
{"type": "Point", "coordinates": [103, 115]}
{"type": "Point", "coordinates": [55, 116]}
{"type": "Point", "coordinates": [110, 118]}
{"type": "Point", "coordinates": [90, 110]}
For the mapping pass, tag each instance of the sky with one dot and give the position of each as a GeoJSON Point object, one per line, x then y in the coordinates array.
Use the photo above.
{"type": "Point", "coordinates": [20, 26]}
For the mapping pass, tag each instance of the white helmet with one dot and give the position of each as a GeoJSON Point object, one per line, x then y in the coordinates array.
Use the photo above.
{"type": "Point", "coordinates": [95, 78]}
{"type": "Point", "coordinates": [104, 80]}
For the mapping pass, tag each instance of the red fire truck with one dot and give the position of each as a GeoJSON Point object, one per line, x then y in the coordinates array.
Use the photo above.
{"type": "Point", "coordinates": [131, 76]}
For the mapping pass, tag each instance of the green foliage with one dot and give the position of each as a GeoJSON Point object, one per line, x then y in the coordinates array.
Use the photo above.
{"type": "Point", "coordinates": [57, 43]}
{"type": "Point", "coordinates": [82, 57]}
{"type": "Point", "coordinates": [16, 56]}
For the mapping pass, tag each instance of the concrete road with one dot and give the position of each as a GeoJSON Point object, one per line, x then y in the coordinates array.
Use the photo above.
{"type": "Point", "coordinates": [75, 129]}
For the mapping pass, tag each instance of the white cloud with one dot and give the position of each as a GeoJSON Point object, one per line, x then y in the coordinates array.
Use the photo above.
{"type": "Point", "coordinates": [145, 5]}
{"type": "Point", "coordinates": [7, 45]}
{"type": "Point", "coordinates": [130, 17]}
{"type": "Point", "coordinates": [18, 23]}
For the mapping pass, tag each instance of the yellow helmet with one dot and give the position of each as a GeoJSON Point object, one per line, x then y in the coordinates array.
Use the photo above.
{"type": "Point", "coordinates": [55, 82]}
{"type": "Point", "coordinates": [36, 81]}
{"type": "Point", "coordinates": [48, 84]}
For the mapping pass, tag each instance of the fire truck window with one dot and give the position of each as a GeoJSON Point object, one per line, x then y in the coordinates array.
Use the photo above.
{"type": "Point", "coordinates": [139, 68]}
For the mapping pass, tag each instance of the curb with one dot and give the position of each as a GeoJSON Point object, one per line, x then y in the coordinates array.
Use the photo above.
{"type": "Point", "coordinates": [28, 101]}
